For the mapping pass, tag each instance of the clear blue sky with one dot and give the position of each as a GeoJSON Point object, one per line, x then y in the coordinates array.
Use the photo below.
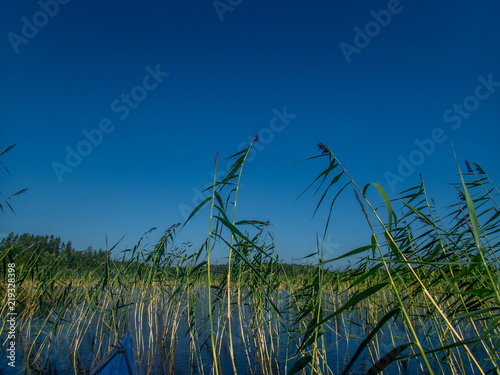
{"type": "Point", "coordinates": [369, 78]}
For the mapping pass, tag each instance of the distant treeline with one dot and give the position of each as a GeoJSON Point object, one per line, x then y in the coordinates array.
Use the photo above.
{"type": "Point", "coordinates": [45, 250]}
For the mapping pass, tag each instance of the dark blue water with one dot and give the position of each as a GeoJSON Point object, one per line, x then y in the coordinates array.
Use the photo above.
{"type": "Point", "coordinates": [167, 348]}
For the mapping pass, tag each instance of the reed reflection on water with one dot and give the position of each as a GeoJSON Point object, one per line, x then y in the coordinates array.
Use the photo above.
{"type": "Point", "coordinates": [262, 343]}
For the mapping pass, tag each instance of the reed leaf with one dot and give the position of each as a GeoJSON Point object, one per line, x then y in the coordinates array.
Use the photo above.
{"type": "Point", "coordinates": [386, 360]}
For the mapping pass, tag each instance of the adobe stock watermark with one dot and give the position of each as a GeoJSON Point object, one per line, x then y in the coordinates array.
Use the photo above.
{"type": "Point", "coordinates": [11, 314]}
{"type": "Point", "coordinates": [278, 123]}
{"type": "Point", "coordinates": [329, 248]}
{"type": "Point", "coordinates": [121, 107]}
{"type": "Point", "coordinates": [224, 6]}
{"type": "Point", "coordinates": [363, 37]}
{"type": "Point", "coordinates": [31, 26]}
{"type": "Point", "coordinates": [455, 115]}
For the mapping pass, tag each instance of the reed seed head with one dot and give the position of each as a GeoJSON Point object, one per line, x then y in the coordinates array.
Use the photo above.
{"type": "Point", "coordinates": [324, 148]}
{"type": "Point", "coordinates": [461, 196]}
{"type": "Point", "coordinates": [469, 168]}
{"type": "Point", "coordinates": [479, 169]}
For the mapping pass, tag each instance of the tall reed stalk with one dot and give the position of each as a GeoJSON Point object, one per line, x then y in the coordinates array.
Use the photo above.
{"type": "Point", "coordinates": [427, 279]}
{"type": "Point", "coordinates": [414, 261]}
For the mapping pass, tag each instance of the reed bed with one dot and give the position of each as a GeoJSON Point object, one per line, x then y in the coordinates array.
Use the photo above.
{"type": "Point", "coordinates": [427, 282]}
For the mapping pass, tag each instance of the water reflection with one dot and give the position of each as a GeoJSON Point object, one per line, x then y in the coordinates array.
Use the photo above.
{"type": "Point", "coordinates": [167, 343]}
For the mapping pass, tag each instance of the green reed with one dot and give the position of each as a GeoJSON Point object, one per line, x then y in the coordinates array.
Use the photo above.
{"type": "Point", "coordinates": [435, 272]}
{"type": "Point", "coordinates": [449, 273]}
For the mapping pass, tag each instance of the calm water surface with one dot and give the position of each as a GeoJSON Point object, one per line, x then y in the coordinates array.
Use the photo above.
{"type": "Point", "coordinates": [158, 356]}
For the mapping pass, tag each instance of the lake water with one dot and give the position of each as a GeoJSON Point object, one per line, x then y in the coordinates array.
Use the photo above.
{"type": "Point", "coordinates": [166, 348]}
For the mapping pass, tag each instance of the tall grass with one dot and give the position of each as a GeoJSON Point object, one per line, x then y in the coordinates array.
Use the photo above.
{"type": "Point", "coordinates": [6, 201]}
{"type": "Point", "coordinates": [427, 278]}
{"type": "Point", "coordinates": [451, 273]}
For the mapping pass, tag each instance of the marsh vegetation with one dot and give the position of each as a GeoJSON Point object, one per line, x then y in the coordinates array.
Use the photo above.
{"type": "Point", "coordinates": [423, 295]}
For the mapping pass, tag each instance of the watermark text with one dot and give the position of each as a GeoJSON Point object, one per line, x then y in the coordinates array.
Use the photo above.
{"type": "Point", "coordinates": [122, 107]}
{"type": "Point", "coordinates": [11, 314]}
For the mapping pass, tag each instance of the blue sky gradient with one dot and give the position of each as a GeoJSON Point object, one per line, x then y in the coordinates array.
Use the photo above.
{"type": "Point", "coordinates": [428, 71]}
